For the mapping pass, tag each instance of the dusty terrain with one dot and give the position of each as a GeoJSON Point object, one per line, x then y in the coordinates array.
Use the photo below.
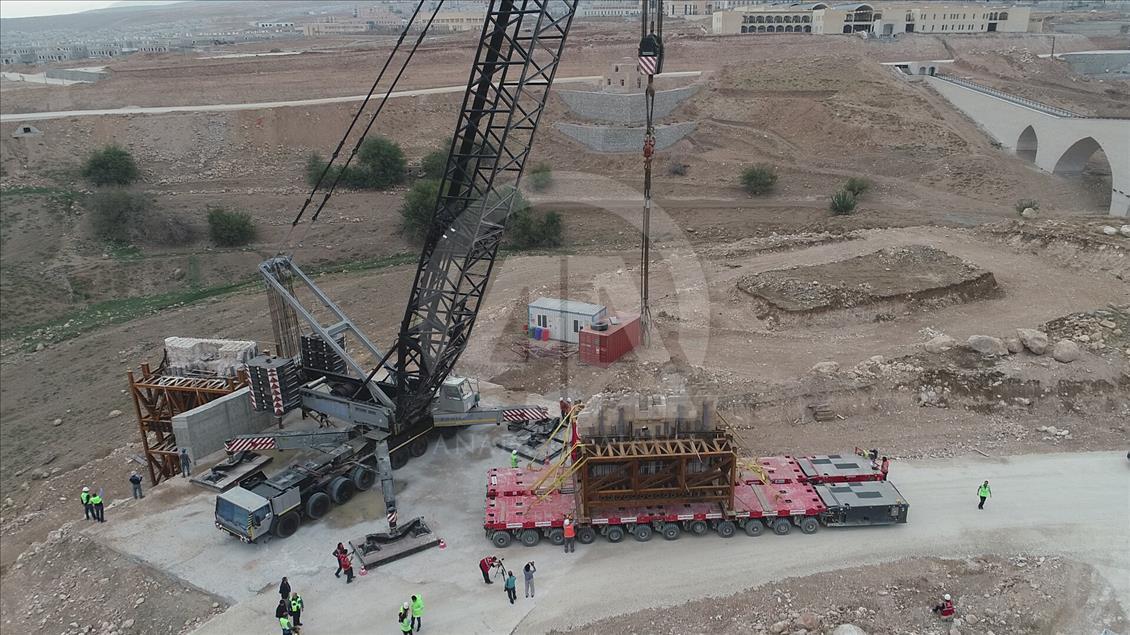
{"type": "Point", "coordinates": [78, 313]}
{"type": "Point", "coordinates": [1013, 594]}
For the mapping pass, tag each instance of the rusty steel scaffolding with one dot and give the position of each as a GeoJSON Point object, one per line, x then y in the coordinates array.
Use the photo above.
{"type": "Point", "coordinates": [647, 472]}
{"type": "Point", "coordinates": [157, 398]}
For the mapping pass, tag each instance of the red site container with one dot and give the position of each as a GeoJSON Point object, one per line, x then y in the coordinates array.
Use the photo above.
{"type": "Point", "coordinates": [602, 348]}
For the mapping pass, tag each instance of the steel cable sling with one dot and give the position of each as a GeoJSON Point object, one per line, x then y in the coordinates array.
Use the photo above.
{"type": "Point", "coordinates": [357, 146]}
{"type": "Point", "coordinates": [650, 64]}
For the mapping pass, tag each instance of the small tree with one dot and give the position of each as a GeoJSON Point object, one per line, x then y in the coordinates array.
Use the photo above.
{"type": "Point", "coordinates": [230, 229]}
{"type": "Point", "coordinates": [110, 165]}
{"type": "Point", "coordinates": [843, 203]}
{"type": "Point", "coordinates": [541, 176]}
{"type": "Point", "coordinates": [419, 204]}
{"type": "Point", "coordinates": [433, 164]}
{"type": "Point", "coordinates": [759, 179]}
{"type": "Point", "coordinates": [117, 214]}
{"type": "Point", "coordinates": [381, 163]}
{"type": "Point", "coordinates": [857, 186]}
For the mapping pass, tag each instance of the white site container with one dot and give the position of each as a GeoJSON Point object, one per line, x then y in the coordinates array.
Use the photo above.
{"type": "Point", "coordinates": [564, 318]}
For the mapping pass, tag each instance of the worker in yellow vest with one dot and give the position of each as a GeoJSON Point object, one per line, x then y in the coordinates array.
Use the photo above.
{"type": "Point", "coordinates": [287, 628]}
{"type": "Point", "coordinates": [417, 612]}
{"type": "Point", "coordinates": [296, 608]}
{"type": "Point", "coordinates": [96, 503]}
{"type": "Point", "coordinates": [405, 618]}
{"type": "Point", "coordinates": [513, 458]}
{"type": "Point", "coordinates": [87, 508]}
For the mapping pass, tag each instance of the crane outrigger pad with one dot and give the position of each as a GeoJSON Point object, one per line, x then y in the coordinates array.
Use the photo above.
{"type": "Point", "coordinates": [411, 537]}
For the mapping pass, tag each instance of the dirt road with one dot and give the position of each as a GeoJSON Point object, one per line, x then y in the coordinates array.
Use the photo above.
{"type": "Point", "coordinates": [162, 110]}
{"type": "Point", "coordinates": [1069, 505]}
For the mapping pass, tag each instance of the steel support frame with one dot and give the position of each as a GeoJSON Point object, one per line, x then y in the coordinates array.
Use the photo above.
{"type": "Point", "coordinates": [157, 398]}
{"type": "Point", "coordinates": [272, 271]}
{"type": "Point", "coordinates": [519, 49]}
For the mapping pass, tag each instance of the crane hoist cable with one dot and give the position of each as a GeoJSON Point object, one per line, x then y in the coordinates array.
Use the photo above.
{"type": "Point", "coordinates": [650, 64]}
{"type": "Point", "coordinates": [360, 111]}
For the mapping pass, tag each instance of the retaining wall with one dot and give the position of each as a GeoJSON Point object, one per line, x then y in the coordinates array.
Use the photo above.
{"type": "Point", "coordinates": [204, 430]}
{"type": "Point", "coordinates": [618, 139]}
{"type": "Point", "coordinates": [630, 109]}
{"type": "Point", "coordinates": [75, 75]}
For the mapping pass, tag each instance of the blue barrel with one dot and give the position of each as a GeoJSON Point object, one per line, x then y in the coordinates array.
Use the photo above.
{"type": "Point", "coordinates": [537, 332]}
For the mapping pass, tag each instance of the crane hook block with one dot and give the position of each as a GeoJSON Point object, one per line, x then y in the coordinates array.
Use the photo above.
{"type": "Point", "coordinates": [648, 148]}
{"type": "Point", "coordinates": [651, 55]}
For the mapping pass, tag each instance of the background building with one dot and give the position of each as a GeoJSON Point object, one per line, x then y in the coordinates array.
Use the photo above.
{"type": "Point", "coordinates": [882, 19]}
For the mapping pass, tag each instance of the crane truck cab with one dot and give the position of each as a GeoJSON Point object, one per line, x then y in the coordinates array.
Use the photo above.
{"type": "Point", "coordinates": [458, 395]}
{"type": "Point", "coordinates": [247, 515]}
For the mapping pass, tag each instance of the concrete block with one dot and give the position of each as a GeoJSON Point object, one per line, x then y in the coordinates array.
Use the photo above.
{"type": "Point", "coordinates": [625, 109]}
{"type": "Point", "coordinates": [204, 430]}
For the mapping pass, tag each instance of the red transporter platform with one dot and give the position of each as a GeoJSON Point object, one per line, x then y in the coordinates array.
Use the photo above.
{"type": "Point", "coordinates": [529, 518]}
{"type": "Point", "coordinates": [817, 469]}
{"type": "Point", "coordinates": [516, 481]}
{"type": "Point", "coordinates": [778, 506]}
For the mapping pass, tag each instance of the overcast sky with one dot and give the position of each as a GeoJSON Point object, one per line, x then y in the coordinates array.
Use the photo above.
{"type": "Point", "coordinates": [28, 8]}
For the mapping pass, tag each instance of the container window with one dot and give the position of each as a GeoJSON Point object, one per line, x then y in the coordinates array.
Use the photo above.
{"type": "Point", "coordinates": [576, 326]}
{"type": "Point", "coordinates": [543, 321]}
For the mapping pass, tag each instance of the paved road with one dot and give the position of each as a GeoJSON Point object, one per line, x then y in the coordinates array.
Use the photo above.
{"type": "Point", "coordinates": [160, 110]}
{"type": "Point", "coordinates": [1075, 505]}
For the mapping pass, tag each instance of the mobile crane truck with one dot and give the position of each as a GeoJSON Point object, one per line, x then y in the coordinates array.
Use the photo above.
{"type": "Point", "coordinates": [393, 409]}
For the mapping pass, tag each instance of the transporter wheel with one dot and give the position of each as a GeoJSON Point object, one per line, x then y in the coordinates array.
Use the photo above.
{"type": "Point", "coordinates": [501, 539]}
{"type": "Point", "coordinates": [698, 527]}
{"type": "Point", "coordinates": [671, 531]}
{"type": "Point", "coordinates": [557, 537]}
{"type": "Point", "coordinates": [341, 490]}
{"type": "Point", "coordinates": [530, 537]}
{"type": "Point", "coordinates": [398, 459]}
{"type": "Point", "coordinates": [286, 525]}
{"type": "Point", "coordinates": [726, 529]}
{"type": "Point", "coordinates": [781, 526]}
{"type": "Point", "coordinates": [363, 477]}
{"type": "Point", "coordinates": [809, 525]}
{"type": "Point", "coordinates": [419, 446]}
{"type": "Point", "coordinates": [642, 533]}
{"type": "Point", "coordinates": [754, 527]}
{"type": "Point", "coordinates": [585, 535]}
{"type": "Point", "coordinates": [614, 534]}
{"type": "Point", "coordinates": [317, 505]}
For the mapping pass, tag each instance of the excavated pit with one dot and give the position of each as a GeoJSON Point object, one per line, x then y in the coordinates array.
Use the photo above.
{"type": "Point", "coordinates": [885, 283]}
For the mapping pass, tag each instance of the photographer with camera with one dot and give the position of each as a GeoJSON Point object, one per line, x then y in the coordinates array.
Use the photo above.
{"type": "Point", "coordinates": [528, 571]}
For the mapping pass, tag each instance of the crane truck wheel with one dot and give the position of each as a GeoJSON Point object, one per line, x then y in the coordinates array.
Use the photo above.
{"type": "Point", "coordinates": [809, 525]}
{"type": "Point", "coordinates": [418, 447]}
{"type": "Point", "coordinates": [698, 527]}
{"type": "Point", "coordinates": [317, 505]}
{"type": "Point", "coordinates": [286, 525]}
{"type": "Point", "coordinates": [671, 531]}
{"type": "Point", "coordinates": [531, 537]}
{"type": "Point", "coordinates": [614, 534]}
{"type": "Point", "coordinates": [341, 490]}
{"type": "Point", "coordinates": [557, 537]}
{"type": "Point", "coordinates": [363, 477]}
{"type": "Point", "coordinates": [398, 459]}
{"type": "Point", "coordinates": [726, 529]}
{"type": "Point", "coordinates": [585, 535]}
{"type": "Point", "coordinates": [501, 539]}
{"type": "Point", "coordinates": [754, 527]}
{"type": "Point", "coordinates": [642, 533]}
{"type": "Point", "coordinates": [781, 526]}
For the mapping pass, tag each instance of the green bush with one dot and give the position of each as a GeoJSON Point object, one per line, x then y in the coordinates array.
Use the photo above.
{"type": "Point", "coordinates": [111, 165]}
{"type": "Point", "coordinates": [230, 229]}
{"type": "Point", "coordinates": [759, 179]}
{"type": "Point", "coordinates": [1025, 203]}
{"type": "Point", "coordinates": [843, 202]}
{"type": "Point", "coordinates": [857, 186]}
{"type": "Point", "coordinates": [418, 207]}
{"type": "Point", "coordinates": [434, 163]}
{"type": "Point", "coordinates": [379, 164]}
{"type": "Point", "coordinates": [123, 217]}
{"type": "Point", "coordinates": [541, 177]}
{"type": "Point", "coordinates": [525, 230]}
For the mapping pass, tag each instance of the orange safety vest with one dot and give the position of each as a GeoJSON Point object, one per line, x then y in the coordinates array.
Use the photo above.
{"type": "Point", "coordinates": [570, 530]}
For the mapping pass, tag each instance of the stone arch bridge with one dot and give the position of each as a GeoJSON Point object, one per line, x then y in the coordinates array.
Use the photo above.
{"type": "Point", "coordinates": [1056, 140]}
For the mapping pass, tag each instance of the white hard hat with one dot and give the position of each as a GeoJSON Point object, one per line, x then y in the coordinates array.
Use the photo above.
{"type": "Point", "coordinates": [406, 605]}
{"type": "Point", "coordinates": [86, 489]}
{"type": "Point", "coordinates": [513, 451]}
{"type": "Point", "coordinates": [946, 597]}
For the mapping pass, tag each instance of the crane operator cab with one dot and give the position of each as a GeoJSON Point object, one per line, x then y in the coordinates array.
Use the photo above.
{"type": "Point", "coordinates": [457, 395]}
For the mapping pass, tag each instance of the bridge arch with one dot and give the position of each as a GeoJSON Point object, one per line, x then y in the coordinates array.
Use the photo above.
{"type": "Point", "coordinates": [1028, 144]}
{"type": "Point", "coordinates": [1075, 158]}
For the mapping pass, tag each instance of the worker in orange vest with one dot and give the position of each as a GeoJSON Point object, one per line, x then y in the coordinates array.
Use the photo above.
{"type": "Point", "coordinates": [570, 534]}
